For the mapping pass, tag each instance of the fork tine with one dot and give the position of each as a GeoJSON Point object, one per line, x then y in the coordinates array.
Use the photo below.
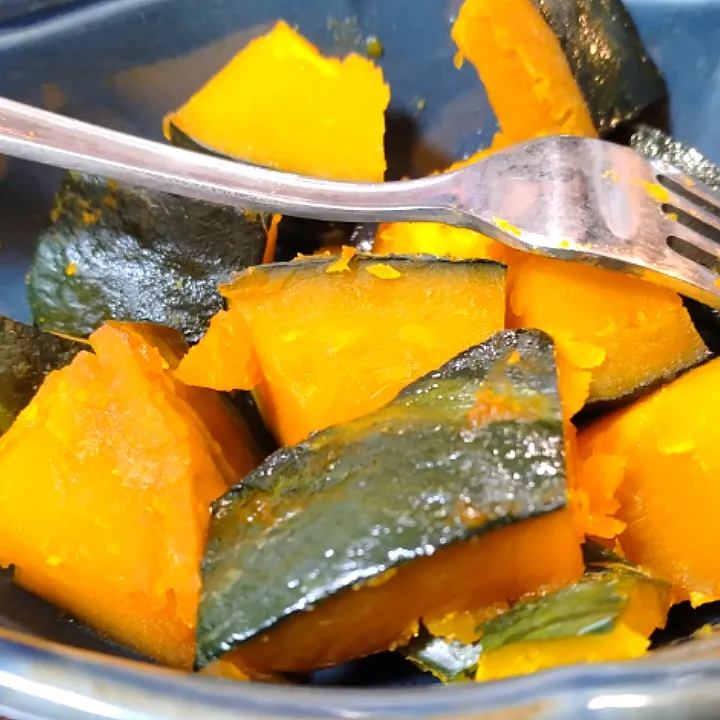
{"type": "Point", "coordinates": [691, 196]}
{"type": "Point", "coordinates": [694, 217]}
{"type": "Point", "coordinates": [702, 250]}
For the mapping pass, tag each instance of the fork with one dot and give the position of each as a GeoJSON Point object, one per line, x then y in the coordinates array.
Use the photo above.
{"type": "Point", "coordinates": [572, 198]}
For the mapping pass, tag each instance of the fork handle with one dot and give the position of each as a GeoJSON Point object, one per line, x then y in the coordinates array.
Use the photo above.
{"type": "Point", "coordinates": [32, 134]}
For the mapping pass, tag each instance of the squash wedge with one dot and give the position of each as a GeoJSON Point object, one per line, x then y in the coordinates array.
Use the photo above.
{"type": "Point", "coordinates": [105, 482]}
{"type": "Point", "coordinates": [325, 340]}
{"type": "Point", "coordinates": [336, 109]}
{"type": "Point", "coordinates": [335, 548]}
{"type": "Point", "coordinates": [664, 458]}
{"type": "Point", "coordinates": [114, 252]}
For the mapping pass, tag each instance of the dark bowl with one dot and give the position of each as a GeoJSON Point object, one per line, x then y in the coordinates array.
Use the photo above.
{"type": "Point", "coordinates": [124, 64]}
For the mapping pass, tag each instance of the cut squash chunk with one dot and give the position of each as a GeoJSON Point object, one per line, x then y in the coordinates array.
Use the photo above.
{"type": "Point", "coordinates": [106, 479]}
{"type": "Point", "coordinates": [334, 109]}
{"type": "Point", "coordinates": [523, 67]}
{"type": "Point", "coordinates": [664, 458]}
{"type": "Point", "coordinates": [623, 334]}
{"type": "Point", "coordinates": [325, 340]}
{"type": "Point", "coordinates": [450, 498]}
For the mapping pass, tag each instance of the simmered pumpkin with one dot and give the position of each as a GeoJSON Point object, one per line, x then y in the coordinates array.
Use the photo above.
{"type": "Point", "coordinates": [612, 69]}
{"type": "Point", "coordinates": [451, 497]}
{"type": "Point", "coordinates": [608, 615]}
{"type": "Point", "coordinates": [320, 116]}
{"type": "Point", "coordinates": [123, 461]}
{"type": "Point", "coordinates": [617, 334]}
{"type": "Point", "coordinates": [327, 339]}
{"type": "Point", "coordinates": [27, 356]}
{"type": "Point", "coordinates": [524, 70]}
{"type": "Point", "coordinates": [663, 455]}
{"type": "Point", "coordinates": [115, 252]}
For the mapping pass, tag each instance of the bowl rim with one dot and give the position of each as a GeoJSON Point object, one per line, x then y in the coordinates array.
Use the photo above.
{"type": "Point", "coordinates": [42, 679]}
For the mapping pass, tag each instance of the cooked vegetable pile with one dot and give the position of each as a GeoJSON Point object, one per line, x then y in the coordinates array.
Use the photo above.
{"type": "Point", "coordinates": [489, 462]}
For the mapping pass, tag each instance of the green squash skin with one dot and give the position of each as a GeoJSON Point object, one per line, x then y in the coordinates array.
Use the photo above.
{"type": "Point", "coordinates": [589, 607]}
{"type": "Point", "coordinates": [295, 235]}
{"type": "Point", "coordinates": [616, 76]}
{"type": "Point", "coordinates": [358, 499]}
{"type": "Point", "coordinates": [115, 252]}
{"type": "Point", "coordinates": [27, 356]}
{"type": "Point", "coordinates": [447, 660]}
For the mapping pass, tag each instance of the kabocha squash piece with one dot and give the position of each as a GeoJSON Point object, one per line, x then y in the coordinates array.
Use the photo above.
{"type": "Point", "coordinates": [522, 65]}
{"type": "Point", "coordinates": [608, 615]}
{"type": "Point", "coordinates": [106, 479]}
{"type": "Point", "coordinates": [27, 355]}
{"type": "Point", "coordinates": [328, 339]}
{"type": "Point", "coordinates": [662, 453]}
{"type": "Point", "coordinates": [335, 108]}
{"type": "Point", "coordinates": [615, 74]}
{"type": "Point", "coordinates": [335, 548]}
{"type": "Point", "coordinates": [621, 335]}
{"type": "Point", "coordinates": [116, 252]}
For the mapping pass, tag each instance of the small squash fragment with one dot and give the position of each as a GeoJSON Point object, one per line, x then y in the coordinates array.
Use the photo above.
{"type": "Point", "coordinates": [335, 108]}
{"type": "Point", "coordinates": [105, 482]}
{"type": "Point", "coordinates": [335, 548]}
{"type": "Point", "coordinates": [664, 453]}
{"type": "Point", "coordinates": [523, 68]}
{"type": "Point", "coordinates": [324, 347]}
{"type": "Point", "coordinates": [606, 616]}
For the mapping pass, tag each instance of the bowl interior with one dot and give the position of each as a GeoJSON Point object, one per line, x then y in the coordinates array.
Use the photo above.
{"type": "Point", "coordinates": [126, 63]}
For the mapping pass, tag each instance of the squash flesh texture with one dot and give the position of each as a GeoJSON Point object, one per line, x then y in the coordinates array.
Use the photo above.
{"type": "Point", "coordinates": [663, 455]}
{"type": "Point", "coordinates": [108, 522]}
{"type": "Point", "coordinates": [336, 342]}
{"type": "Point", "coordinates": [524, 70]}
{"type": "Point", "coordinates": [509, 562]}
{"type": "Point", "coordinates": [530, 657]}
{"type": "Point", "coordinates": [334, 107]}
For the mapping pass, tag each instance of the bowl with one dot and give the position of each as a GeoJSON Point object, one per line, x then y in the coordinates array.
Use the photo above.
{"type": "Point", "coordinates": [124, 64]}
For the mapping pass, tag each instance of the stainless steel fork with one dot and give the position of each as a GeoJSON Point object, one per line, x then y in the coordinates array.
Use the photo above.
{"type": "Point", "coordinates": [564, 197]}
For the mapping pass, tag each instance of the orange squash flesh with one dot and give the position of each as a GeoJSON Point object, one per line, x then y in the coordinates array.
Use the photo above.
{"type": "Point", "coordinates": [522, 65]}
{"type": "Point", "coordinates": [501, 565]}
{"type": "Point", "coordinates": [326, 340]}
{"type": "Point", "coordinates": [108, 519]}
{"type": "Point", "coordinates": [315, 116]}
{"type": "Point", "coordinates": [621, 332]}
{"type": "Point", "coordinates": [662, 454]}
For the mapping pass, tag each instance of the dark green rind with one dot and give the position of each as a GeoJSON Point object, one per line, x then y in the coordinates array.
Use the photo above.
{"type": "Point", "coordinates": [606, 56]}
{"type": "Point", "coordinates": [137, 256]}
{"type": "Point", "coordinates": [27, 355]}
{"type": "Point", "coordinates": [448, 660]}
{"type": "Point", "coordinates": [354, 500]}
{"type": "Point", "coordinates": [656, 145]}
{"type": "Point", "coordinates": [589, 607]}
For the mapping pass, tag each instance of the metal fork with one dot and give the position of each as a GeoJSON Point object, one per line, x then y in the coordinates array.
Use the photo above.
{"type": "Point", "coordinates": [564, 197]}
